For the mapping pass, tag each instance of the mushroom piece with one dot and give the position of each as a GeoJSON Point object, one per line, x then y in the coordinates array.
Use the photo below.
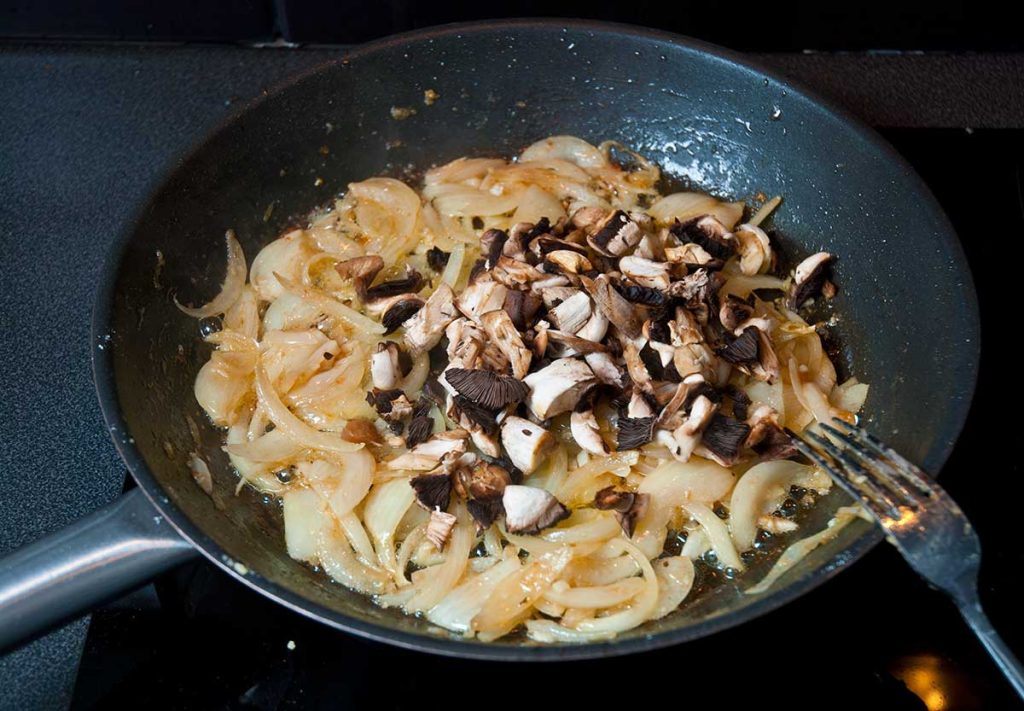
{"type": "Point", "coordinates": [734, 311]}
{"type": "Point", "coordinates": [437, 259]}
{"type": "Point", "coordinates": [480, 297]}
{"type": "Point", "coordinates": [421, 426]}
{"type": "Point", "coordinates": [754, 247]}
{"type": "Point", "coordinates": [565, 261]}
{"type": "Point", "coordinates": [644, 295]}
{"type": "Point", "coordinates": [614, 306]}
{"type": "Point", "coordinates": [392, 405]}
{"type": "Point", "coordinates": [766, 437]}
{"type": "Point", "coordinates": [439, 527]}
{"type": "Point", "coordinates": [555, 295]}
{"type": "Point", "coordinates": [482, 486]}
{"type": "Point", "coordinates": [584, 429]}
{"type": "Point", "coordinates": [492, 243]}
{"type": "Point", "coordinates": [361, 270]}
{"type": "Point", "coordinates": [433, 491]}
{"type": "Point", "coordinates": [638, 406]}
{"type": "Point", "coordinates": [525, 443]}
{"type": "Point", "coordinates": [545, 244]}
{"type": "Point", "coordinates": [521, 307]}
{"type": "Point", "coordinates": [635, 364]}
{"type": "Point", "coordinates": [361, 431]}
{"type": "Point", "coordinates": [586, 218]}
{"type": "Point", "coordinates": [518, 243]}
{"type": "Point", "coordinates": [384, 368]}
{"type": "Point", "coordinates": [605, 369]}
{"type": "Point", "coordinates": [548, 282]}
{"type": "Point", "coordinates": [634, 432]}
{"type": "Point", "coordinates": [687, 435]}
{"type": "Point", "coordinates": [614, 235]}
{"type": "Point", "coordinates": [742, 349]}
{"type": "Point", "coordinates": [723, 438]}
{"type": "Point", "coordinates": [809, 278]}
{"type": "Point", "coordinates": [493, 391]}
{"type": "Point", "coordinates": [655, 275]}
{"type": "Point", "coordinates": [427, 455]}
{"type": "Point", "coordinates": [424, 330]}
{"type": "Point", "coordinates": [707, 232]}
{"type": "Point", "coordinates": [558, 387]}
{"type": "Point", "coordinates": [409, 284]}
{"type": "Point", "coordinates": [626, 505]}
{"type": "Point", "coordinates": [530, 510]}
{"type": "Point", "coordinates": [398, 310]}
{"type": "Point", "coordinates": [515, 274]}
{"type": "Point", "coordinates": [767, 367]}
{"type": "Point", "coordinates": [572, 314]}
{"type": "Point", "coordinates": [503, 334]}
{"type": "Point", "coordinates": [595, 329]}
{"type": "Point", "coordinates": [691, 254]}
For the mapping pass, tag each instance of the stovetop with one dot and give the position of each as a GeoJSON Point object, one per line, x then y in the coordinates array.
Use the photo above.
{"type": "Point", "coordinates": [84, 133]}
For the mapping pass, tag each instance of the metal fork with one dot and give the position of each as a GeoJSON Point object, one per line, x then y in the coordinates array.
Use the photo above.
{"type": "Point", "coordinates": [919, 518]}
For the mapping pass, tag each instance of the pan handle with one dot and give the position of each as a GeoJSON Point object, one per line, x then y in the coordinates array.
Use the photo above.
{"type": "Point", "coordinates": [91, 561]}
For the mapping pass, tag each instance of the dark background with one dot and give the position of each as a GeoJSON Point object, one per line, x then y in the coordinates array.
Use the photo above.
{"type": "Point", "coordinates": [97, 97]}
{"type": "Point", "coordinates": [823, 25]}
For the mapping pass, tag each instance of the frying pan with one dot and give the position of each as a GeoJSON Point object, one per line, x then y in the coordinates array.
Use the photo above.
{"type": "Point", "coordinates": [713, 121]}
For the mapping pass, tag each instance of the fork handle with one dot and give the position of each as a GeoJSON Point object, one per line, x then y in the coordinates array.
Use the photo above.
{"type": "Point", "coordinates": [970, 608]}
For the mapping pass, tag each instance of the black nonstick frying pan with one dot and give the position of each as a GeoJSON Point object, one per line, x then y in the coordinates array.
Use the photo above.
{"type": "Point", "coordinates": [909, 321]}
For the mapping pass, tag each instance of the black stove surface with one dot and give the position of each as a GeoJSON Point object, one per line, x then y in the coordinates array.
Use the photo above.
{"type": "Point", "coordinates": [196, 639]}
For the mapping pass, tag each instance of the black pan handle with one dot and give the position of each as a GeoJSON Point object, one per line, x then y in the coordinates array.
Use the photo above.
{"type": "Point", "coordinates": [94, 560]}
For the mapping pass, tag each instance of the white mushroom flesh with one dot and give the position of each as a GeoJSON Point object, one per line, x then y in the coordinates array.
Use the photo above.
{"type": "Point", "coordinates": [558, 387]}
{"type": "Point", "coordinates": [525, 443]}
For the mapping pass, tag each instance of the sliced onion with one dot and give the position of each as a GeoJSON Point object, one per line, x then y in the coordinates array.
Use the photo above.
{"type": "Point", "coordinates": [357, 538]}
{"type": "Point", "coordinates": [601, 571]}
{"type": "Point", "coordinates": [717, 533]}
{"type": "Point", "coordinates": [596, 597]}
{"type": "Point", "coordinates": [383, 511]}
{"type": "Point", "coordinates": [302, 510]}
{"type": "Point", "coordinates": [684, 206]}
{"type": "Point", "coordinates": [243, 317]}
{"type": "Point", "coordinates": [345, 483]}
{"type": "Point", "coordinates": [274, 446]}
{"type": "Point", "coordinates": [337, 560]}
{"type": "Point", "coordinates": [286, 255]}
{"type": "Point", "coordinates": [575, 150]}
{"type": "Point", "coordinates": [224, 384]}
{"type": "Point", "coordinates": [643, 604]}
{"type": "Point", "coordinates": [442, 578]}
{"type": "Point", "coordinates": [550, 632]}
{"type": "Point", "coordinates": [762, 212]}
{"type": "Point", "coordinates": [453, 269]}
{"type": "Point", "coordinates": [584, 526]}
{"type": "Point", "coordinates": [462, 170]}
{"type": "Point", "coordinates": [761, 483]}
{"type": "Point", "coordinates": [535, 203]}
{"type": "Point", "coordinates": [457, 609]}
{"type": "Point", "coordinates": [231, 288]}
{"type": "Point", "coordinates": [799, 550]}
{"type": "Point", "coordinates": [291, 425]}
{"type": "Point", "coordinates": [513, 597]}
{"type": "Point", "coordinates": [363, 325]}
{"type": "Point", "coordinates": [675, 580]}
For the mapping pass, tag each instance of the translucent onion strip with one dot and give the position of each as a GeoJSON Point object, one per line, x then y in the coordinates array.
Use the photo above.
{"type": "Point", "coordinates": [231, 288]}
{"type": "Point", "coordinates": [717, 533]}
{"type": "Point", "coordinates": [643, 604]}
{"type": "Point", "coordinates": [291, 425]}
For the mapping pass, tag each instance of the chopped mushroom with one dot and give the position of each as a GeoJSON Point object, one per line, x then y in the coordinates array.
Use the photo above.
{"type": "Point", "coordinates": [558, 387]}
{"type": "Point", "coordinates": [530, 510]}
{"type": "Point", "coordinates": [572, 314]}
{"type": "Point", "coordinates": [723, 438]}
{"type": "Point", "coordinates": [734, 311]}
{"type": "Point", "coordinates": [398, 310]}
{"type": "Point", "coordinates": [766, 437]}
{"type": "Point", "coordinates": [409, 284]}
{"type": "Point", "coordinates": [481, 297]}
{"type": "Point", "coordinates": [626, 505]}
{"type": "Point", "coordinates": [427, 455]}
{"type": "Point", "coordinates": [525, 443]}
{"type": "Point", "coordinates": [521, 307]}
{"type": "Point", "coordinates": [384, 369]}
{"type": "Point", "coordinates": [595, 329]}
{"type": "Point", "coordinates": [491, 244]}
{"type": "Point", "coordinates": [614, 306]}
{"type": "Point", "coordinates": [754, 247]}
{"type": "Point", "coordinates": [392, 405]}
{"type": "Point", "coordinates": [433, 491]}
{"type": "Point", "coordinates": [424, 330]}
{"type": "Point", "coordinates": [707, 232]}
{"type": "Point", "coordinates": [564, 261]}
{"type": "Point", "coordinates": [634, 432]}
{"type": "Point", "coordinates": [655, 275]}
{"type": "Point", "coordinates": [605, 369]}
{"type": "Point", "coordinates": [614, 235]}
{"type": "Point", "coordinates": [493, 391]}
{"type": "Point", "coordinates": [361, 270]}
{"type": "Point", "coordinates": [690, 254]}
{"type": "Point", "coordinates": [687, 435]}
{"type": "Point", "coordinates": [439, 527]}
{"type": "Point", "coordinates": [437, 259]}
{"type": "Point", "coordinates": [515, 274]}
{"type": "Point", "coordinates": [585, 430]}
{"type": "Point", "coordinates": [809, 278]}
{"type": "Point", "coordinates": [503, 333]}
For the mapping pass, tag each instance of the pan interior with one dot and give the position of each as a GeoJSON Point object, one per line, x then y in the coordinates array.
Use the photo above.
{"type": "Point", "coordinates": [906, 302]}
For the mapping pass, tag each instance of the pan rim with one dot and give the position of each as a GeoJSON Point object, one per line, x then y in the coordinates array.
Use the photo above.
{"type": "Point", "coordinates": [106, 390]}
